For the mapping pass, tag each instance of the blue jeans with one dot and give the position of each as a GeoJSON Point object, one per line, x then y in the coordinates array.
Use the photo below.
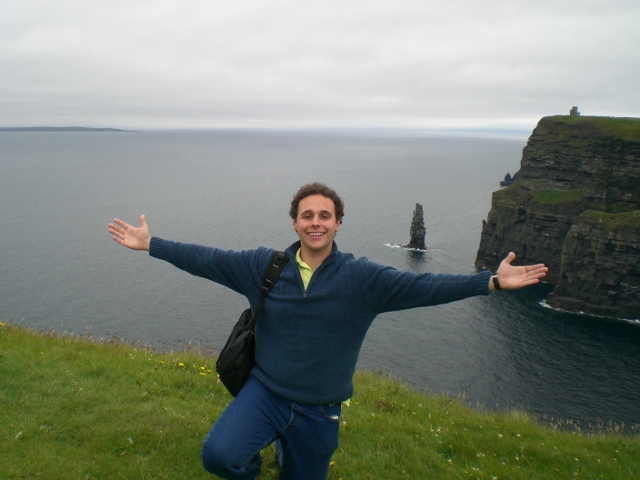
{"type": "Point", "coordinates": [256, 418]}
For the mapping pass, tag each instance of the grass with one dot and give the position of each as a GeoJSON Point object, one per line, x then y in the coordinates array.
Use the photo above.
{"type": "Point", "coordinates": [81, 408]}
{"type": "Point", "coordinates": [613, 221]}
{"type": "Point", "coordinates": [512, 194]}
{"type": "Point", "coordinates": [556, 197]}
{"type": "Point", "coordinates": [620, 128]}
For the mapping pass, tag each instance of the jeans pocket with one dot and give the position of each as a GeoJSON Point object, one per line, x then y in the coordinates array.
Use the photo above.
{"type": "Point", "coordinates": [331, 412]}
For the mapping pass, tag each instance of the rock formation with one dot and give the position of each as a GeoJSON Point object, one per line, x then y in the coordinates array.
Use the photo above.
{"type": "Point", "coordinates": [601, 266]}
{"type": "Point", "coordinates": [418, 231]}
{"type": "Point", "coordinates": [573, 168]}
{"type": "Point", "coordinates": [508, 179]}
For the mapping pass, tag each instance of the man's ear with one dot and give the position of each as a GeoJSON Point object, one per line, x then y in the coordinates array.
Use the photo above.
{"type": "Point", "coordinates": [295, 226]}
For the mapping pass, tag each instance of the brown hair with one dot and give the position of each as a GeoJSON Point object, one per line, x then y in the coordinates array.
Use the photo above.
{"type": "Point", "coordinates": [317, 189]}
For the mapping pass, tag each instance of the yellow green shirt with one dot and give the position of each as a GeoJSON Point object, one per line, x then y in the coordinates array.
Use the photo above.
{"type": "Point", "coordinates": [305, 270]}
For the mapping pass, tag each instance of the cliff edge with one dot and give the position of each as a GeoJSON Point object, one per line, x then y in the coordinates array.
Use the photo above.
{"type": "Point", "coordinates": [572, 166]}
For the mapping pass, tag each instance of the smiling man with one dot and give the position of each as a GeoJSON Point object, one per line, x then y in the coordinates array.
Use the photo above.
{"type": "Point", "coordinates": [317, 213]}
{"type": "Point", "coordinates": [309, 333]}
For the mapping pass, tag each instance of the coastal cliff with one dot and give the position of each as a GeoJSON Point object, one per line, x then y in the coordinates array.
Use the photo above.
{"type": "Point", "coordinates": [573, 168]}
{"type": "Point", "coordinates": [601, 266]}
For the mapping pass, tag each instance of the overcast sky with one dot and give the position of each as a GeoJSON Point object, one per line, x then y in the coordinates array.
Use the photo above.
{"type": "Point", "coordinates": [347, 63]}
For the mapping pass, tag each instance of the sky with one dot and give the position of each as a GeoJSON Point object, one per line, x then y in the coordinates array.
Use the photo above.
{"type": "Point", "coordinates": [416, 64]}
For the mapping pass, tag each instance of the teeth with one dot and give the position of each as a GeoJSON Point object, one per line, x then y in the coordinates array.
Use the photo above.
{"type": "Point", "coordinates": [316, 234]}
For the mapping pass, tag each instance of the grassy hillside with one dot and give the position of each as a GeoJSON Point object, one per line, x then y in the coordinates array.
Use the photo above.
{"type": "Point", "coordinates": [81, 408]}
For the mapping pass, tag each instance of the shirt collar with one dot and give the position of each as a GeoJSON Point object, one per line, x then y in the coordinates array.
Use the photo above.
{"type": "Point", "coordinates": [299, 260]}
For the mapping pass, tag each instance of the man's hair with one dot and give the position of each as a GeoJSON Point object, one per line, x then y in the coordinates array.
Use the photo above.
{"type": "Point", "coordinates": [317, 189]}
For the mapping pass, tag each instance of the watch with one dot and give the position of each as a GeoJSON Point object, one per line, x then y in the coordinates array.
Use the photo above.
{"type": "Point", "coordinates": [496, 282]}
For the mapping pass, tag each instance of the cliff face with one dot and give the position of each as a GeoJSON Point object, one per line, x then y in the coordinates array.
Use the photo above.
{"type": "Point", "coordinates": [570, 165]}
{"type": "Point", "coordinates": [601, 266]}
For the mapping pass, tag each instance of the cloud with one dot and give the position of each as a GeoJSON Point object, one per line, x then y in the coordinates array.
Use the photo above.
{"type": "Point", "coordinates": [298, 64]}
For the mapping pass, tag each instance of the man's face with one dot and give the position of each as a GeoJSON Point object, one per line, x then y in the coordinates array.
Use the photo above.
{"type": "Point", "coordinates": [316, 224]}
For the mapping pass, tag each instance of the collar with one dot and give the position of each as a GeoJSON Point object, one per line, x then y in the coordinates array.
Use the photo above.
{"type": "Point", "coordinates": [299, 260]}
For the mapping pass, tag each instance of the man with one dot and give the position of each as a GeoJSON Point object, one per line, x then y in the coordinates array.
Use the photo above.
{"type": "Point", "coordinates": [309, 332]}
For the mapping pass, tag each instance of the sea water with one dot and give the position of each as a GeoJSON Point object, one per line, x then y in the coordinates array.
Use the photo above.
{"type": "Point", "coordinates": [59, 268]}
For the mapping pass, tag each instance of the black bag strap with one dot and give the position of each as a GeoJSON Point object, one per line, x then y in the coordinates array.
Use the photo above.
{"type": "Point", "coordinates": [277, 263]}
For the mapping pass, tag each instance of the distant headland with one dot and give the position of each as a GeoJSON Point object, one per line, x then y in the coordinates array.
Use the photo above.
{"type": "Point", "coordinates": [575, 206]}
{"type": "Point", "coordinates": [64, 129]}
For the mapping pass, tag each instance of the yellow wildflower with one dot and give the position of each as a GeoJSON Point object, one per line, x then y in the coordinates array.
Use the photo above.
{"type": "Point", "coordinates": [181, 365]}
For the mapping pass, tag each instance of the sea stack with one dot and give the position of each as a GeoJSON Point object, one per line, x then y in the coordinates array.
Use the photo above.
{"type": "Point", "coordinates": [418, 231]}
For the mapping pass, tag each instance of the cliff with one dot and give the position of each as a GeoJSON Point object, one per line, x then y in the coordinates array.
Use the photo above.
{"type": "Point", "coordinates": [569, 166]}
{"type": "Point", "coordinates": [601, 266]}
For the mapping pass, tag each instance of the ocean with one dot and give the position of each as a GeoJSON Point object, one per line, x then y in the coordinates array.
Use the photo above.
{"type": "Point", "coordinates": [60, 270]}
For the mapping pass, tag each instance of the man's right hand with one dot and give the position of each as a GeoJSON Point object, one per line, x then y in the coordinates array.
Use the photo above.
{"type": "Point", "coordinates": [129, 236]}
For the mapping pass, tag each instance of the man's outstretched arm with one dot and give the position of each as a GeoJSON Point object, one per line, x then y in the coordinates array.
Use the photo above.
{"type": "Point", "coordinates": [511, 278]}
{"type": "Point", "coordinates": [129, 236]}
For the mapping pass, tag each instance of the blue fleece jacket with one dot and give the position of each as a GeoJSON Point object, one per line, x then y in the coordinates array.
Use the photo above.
{"type": "Point", "coordinates": [308, 340]}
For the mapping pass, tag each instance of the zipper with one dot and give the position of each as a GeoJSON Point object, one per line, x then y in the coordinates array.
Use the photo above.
{"type": "Point", "coordinates": [306, 289]}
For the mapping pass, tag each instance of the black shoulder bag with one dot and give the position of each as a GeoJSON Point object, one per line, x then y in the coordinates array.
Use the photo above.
{"type": "Point", "coordinates": [236, 359]}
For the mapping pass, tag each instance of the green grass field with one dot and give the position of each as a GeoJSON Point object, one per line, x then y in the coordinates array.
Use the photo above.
{"type": "Point", "coordinates": [556, 197]}
{"type": "Point", "coordinates": [80, 408]}
{"type": "Point", "coordinates": [621, 128]}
